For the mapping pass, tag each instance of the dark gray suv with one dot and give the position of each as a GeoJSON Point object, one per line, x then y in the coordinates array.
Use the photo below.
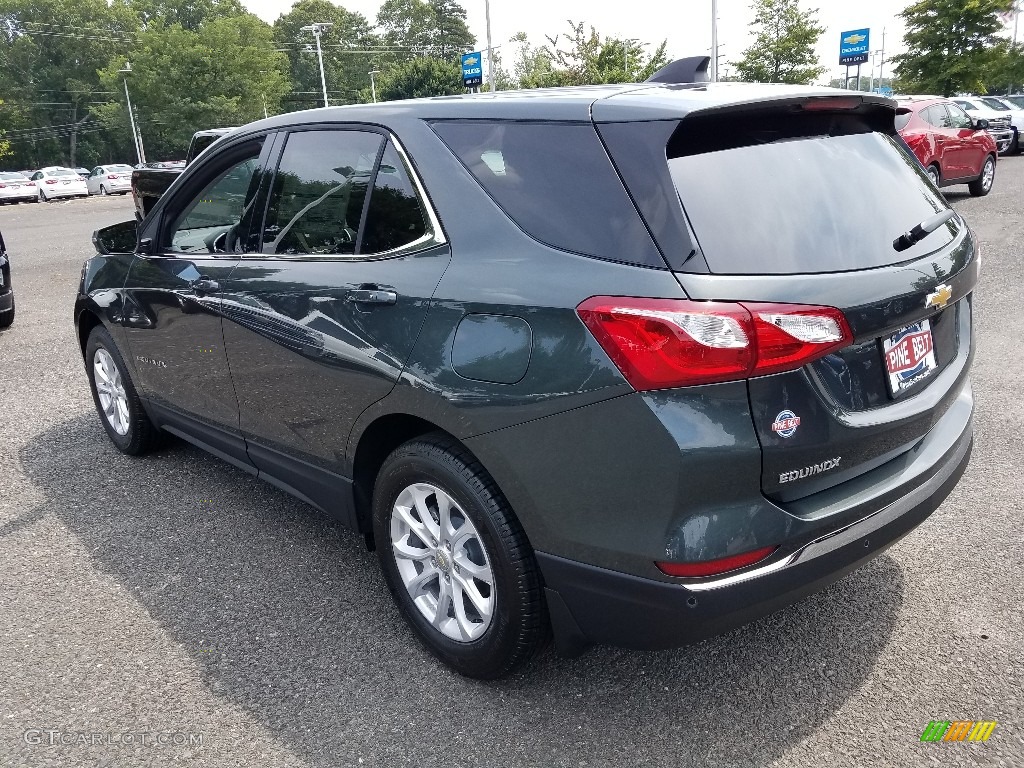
{"type": "Point", "coordinates": [626, 364]}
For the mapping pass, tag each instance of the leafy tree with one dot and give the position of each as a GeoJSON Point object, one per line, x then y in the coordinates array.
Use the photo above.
{"type": "Point", "coordinates": [1005, 70]}
{"type": "Point", "coordinates": [188, 14]}
{"type": "Point", "coordinates": [183, 80]}
{"type": "Point", "coordinates": [5, 146]}
{"type": "Point", "coordinates": [951, 44]}
{"type": "Point", "coordinates": [784, 44]}
{"type": "Point", "coordinates": [420, 77]}
{"type": "Point", "coordinates": [435, 27]}
{"type": "Point", "coordinates": [584, 58]}
{"type": "Point", "coordinates": [344, 46]}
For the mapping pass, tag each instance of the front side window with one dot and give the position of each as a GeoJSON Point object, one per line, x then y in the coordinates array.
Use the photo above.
{"type": "Point", "coordinates": [958, 118]}
{"type": "Point", "coordinates": [316, 204]}
{"type": "Point", "coordinates": [211, 221]}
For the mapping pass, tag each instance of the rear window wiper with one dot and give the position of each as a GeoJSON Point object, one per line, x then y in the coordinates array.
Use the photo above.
{"type": "Point", "coordinates": [922, 230]}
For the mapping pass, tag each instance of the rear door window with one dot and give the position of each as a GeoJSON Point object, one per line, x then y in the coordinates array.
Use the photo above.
{"type": "Point", "coordinates": [556, 182]}
{"type": "Point", "coordinates": [394, 217]}
{"type": "Point", "coordinates": [800, 196]}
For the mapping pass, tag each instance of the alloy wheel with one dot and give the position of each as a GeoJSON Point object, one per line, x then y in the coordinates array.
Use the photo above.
{"type": "Point", "coordinates": [110, 390]}
{"type": "Point", "coordinates": [988, 174]}
{"type": "Point", "coordinates": [442, 562]}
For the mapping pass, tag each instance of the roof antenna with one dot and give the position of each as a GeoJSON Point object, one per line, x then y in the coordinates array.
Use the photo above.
{"type": "Point", "coordinates": [693, 69]}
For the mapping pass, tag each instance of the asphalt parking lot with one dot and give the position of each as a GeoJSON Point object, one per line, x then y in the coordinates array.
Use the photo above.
{"type": "Point", "coordinates": [175, 594]}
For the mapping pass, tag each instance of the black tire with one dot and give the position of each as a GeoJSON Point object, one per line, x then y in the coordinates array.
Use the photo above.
{"type": "Point", "coordinates": [7, 318]}
{"type": "Point", "coordinates": [103, 190]}
{"type": "Point", "coordinates": [1014, 148]}
{"type": "Point", "coordinates": [142, 435]}
{"type": "Point", "coordinates": [934, 173]}
{"type": "Point", "coordinates": [42, 197]}
{"type": "Point", "coordinates": [519, 623]}
{"type": "Point", "coordinates": [979, 187]}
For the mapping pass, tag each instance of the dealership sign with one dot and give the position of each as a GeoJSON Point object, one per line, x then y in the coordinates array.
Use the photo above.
{"type": "Point", "coordinates": [854, 46]}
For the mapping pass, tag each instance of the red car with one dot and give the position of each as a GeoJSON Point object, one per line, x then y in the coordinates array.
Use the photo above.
{"type": "Point", "coordinates": [953, 147]}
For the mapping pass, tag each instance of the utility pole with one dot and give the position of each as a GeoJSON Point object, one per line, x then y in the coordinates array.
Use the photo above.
{"type": "Point", "coordinates": [136, 136]}
{"type": "Point", "coordinates": [714, 41]}
{"type": "Point", "coordinates": [881, 64]}
{"type": "Point", "coordinates": [490, 50]}
{"type": "Point", "coordinates": [373, 85]}
{"type": "Point", "coordinates": [317, 30]}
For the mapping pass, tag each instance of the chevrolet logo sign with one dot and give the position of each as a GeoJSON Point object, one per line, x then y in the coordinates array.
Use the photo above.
{"type": "Point", "coordinates": [470, 61]}
{"type": "Point", "coordinates": [854, 39]}
{"type": "Point", "coordinates": [939, 297]}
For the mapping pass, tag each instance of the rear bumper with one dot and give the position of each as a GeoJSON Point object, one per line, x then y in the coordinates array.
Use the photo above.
{"type": "Point", "coordinates": [596, 605]}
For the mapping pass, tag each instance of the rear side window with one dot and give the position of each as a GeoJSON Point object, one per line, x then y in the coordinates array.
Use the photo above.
{"type": "Point", "coordinates": [556, 182]}
{"type": "Point", "coordinates": [394, 218]}
{"type": "Point", "coordinates": [317, 200]}
{"type": "Point", "coordinates": [799, 194]}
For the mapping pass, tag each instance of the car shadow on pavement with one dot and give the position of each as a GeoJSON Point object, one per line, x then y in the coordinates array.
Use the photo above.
{"type": "Point", "coordinates": [287, 617]}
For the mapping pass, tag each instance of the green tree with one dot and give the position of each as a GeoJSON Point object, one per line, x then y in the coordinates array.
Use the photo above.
{"type": "Point", "coordinates": [183, 80]}
{"type": "Point", "coordinates": [433, 27]}
{"type": "Point", "coordinates": [188, 14]}
{"type": "Point", "coordinates": [420, 77]}
{"type": "Point", "coordinates": [784, 44]}
{"type": "Point", "coordinates": [583, 57]}
{"type": "Point", "coordinates": [347, 50]}
{"type": "Point", "coordinates": [5, 146]}
{"type": "Point", "coordinates": [1005, 70]}
{"type": "Point", "coordinates": [951, 45]}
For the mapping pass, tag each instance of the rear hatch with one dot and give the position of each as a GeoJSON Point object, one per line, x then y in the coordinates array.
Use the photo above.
{"type": "Point", "coordinates": [799, 201]}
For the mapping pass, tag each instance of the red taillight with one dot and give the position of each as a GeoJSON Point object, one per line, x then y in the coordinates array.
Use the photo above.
{"type": "Point", "coordinates": [51, 181]}
{"type": "Point", "coordinates": [3, 186]}
{"type": "Point", "coordinates": [715, 567]}
{"type": "Point", "coordinates": [660, 343]}
{"type": "Point", "coordinates": [113, 176]}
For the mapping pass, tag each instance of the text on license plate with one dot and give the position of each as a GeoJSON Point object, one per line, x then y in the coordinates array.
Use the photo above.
{"type": "Point", "coordinates": [909, 356]}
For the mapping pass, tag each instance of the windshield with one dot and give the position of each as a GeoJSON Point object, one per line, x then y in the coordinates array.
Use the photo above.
{"type": "Point", "coordinates": [968, 105]}
{"type": "Point", "coordinates": [61, 172]}
{"type": "Point", "coordinates": [1016, 100]}
{"type": "Point", "coordinates": [807, 205]}
{"type": "Point", "coordinates": [996, 104]}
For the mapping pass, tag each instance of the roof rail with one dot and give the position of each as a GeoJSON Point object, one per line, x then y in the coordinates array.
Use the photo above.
{"type": "Point", "coordinates": [693, 69]}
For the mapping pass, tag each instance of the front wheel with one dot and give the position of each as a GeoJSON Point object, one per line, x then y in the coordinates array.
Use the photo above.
{"type": "Point", "coordinates": [456, 559]}
{"type": "Point", "coordinates": [983, 184]}
{"type": "Point", "coordinates": [117, 402]}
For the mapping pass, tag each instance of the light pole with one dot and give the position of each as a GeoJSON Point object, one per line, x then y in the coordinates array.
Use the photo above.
{"type": "Point", "coordinates": [317, 30]}
{"type": "Point", "coordinates": [136, 137]}
{"type": "Point", "coordinates": [714, 41]}
{"type": "Point", "coordinates": [373, 85]}
{"type": "Point", "coordinates": [490, 50]}
{"type": "Point", "coordinates": [625, 55]}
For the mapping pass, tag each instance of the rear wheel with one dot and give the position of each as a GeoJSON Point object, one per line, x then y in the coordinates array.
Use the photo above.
{"type": "Point", "coordinates": [42, 196]}
{"type": "Point", "coordinates": [982, 185]}
{"type": "Point", "coordinates": [103, 190]}
{"type": "Point", "coordinates": [456, 560]}
{"type": "Point", "coordinates": [933, 174]}
{"type": "Point", "coordinates": [117, 401]}
{"type": "Point", "coordinates": [7, 318]}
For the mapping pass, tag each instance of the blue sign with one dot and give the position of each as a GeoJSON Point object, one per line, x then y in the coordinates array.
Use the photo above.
{"type": "Point", "coordinates": [472, 70]}
{"type": "Point", "coordinates": [885, 90]}
{"type": "Point", "coordinates": [854, 46]}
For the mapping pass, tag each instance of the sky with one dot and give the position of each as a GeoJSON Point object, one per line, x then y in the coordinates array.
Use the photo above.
{"type": "Point", "coordinates": [685, 24]}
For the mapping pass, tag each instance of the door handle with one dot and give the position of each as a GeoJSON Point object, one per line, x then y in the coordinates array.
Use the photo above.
{"type": "Point", "coordinates": [204, 285]}
{"type": "Point", "coordinates": [371, 296]}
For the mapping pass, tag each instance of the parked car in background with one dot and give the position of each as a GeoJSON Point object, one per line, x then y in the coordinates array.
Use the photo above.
{"type": "Point", "coordinates": [83, 172]}
{"type": "Point", "coordinates": [26, 174]}
{"type": "Point", "coordinates": [150, 182]}
{"type": "Point", "coordinates": [110, 180]}
{"type": "Point", "coordinates": [1016, 99]}
{"type": "Point", "coordinates": [999, 126]}
{"type": "Point", "coordinates": [57, 182]}
{"type": "Point", "coordinates": [739, 379]}
{"type": "Point", "coordinates": [1008, 109]}
{"type": "Point", "coordinates": [953, 147]}
{"type": "Point", "coordinates": [6, 287]}
{"type": "Point", "coordinates": [16, 188]}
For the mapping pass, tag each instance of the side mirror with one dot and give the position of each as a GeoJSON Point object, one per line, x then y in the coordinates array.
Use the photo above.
{"type": "Point", "coordinates": [117, 238]}
{"type": "Point", "coordinates": [980, 124]}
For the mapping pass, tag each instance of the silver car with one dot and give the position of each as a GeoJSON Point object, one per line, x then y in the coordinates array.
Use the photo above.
{"type": "Point", "coordinates": [110, 179]}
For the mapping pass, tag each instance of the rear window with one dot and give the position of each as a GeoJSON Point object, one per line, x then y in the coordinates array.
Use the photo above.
{"type": "Point", "coordinates": [61, 172]}
{"type": "Point", "coordinates": [902, 120]}
{"type": "Point", "coordinates": [11, 176]}
{"type": "Point", "coordinates": [831, 195]}
{"type": "Point", "coordinates": [556, 182]}
{"type": "Point", "coordinates": [119, 169]}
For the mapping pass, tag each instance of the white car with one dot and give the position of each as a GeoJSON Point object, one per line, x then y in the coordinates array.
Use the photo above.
{"type": "Point", "coordinates": [16, 188]}
{"type": "Point", "coordinates": [1015, 112]}
{"type": "Point", "coordinates": [998, 122]}
{"type": "Point", "coordinates": [110, 179]}
{"type": "Point", "coordinates": [59, 182]}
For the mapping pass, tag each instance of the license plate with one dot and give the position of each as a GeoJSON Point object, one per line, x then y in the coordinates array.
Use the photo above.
{"type": "Point", "coordinates": [66, 182]}
{"type": "Point", "coordinates": [909, 356]}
